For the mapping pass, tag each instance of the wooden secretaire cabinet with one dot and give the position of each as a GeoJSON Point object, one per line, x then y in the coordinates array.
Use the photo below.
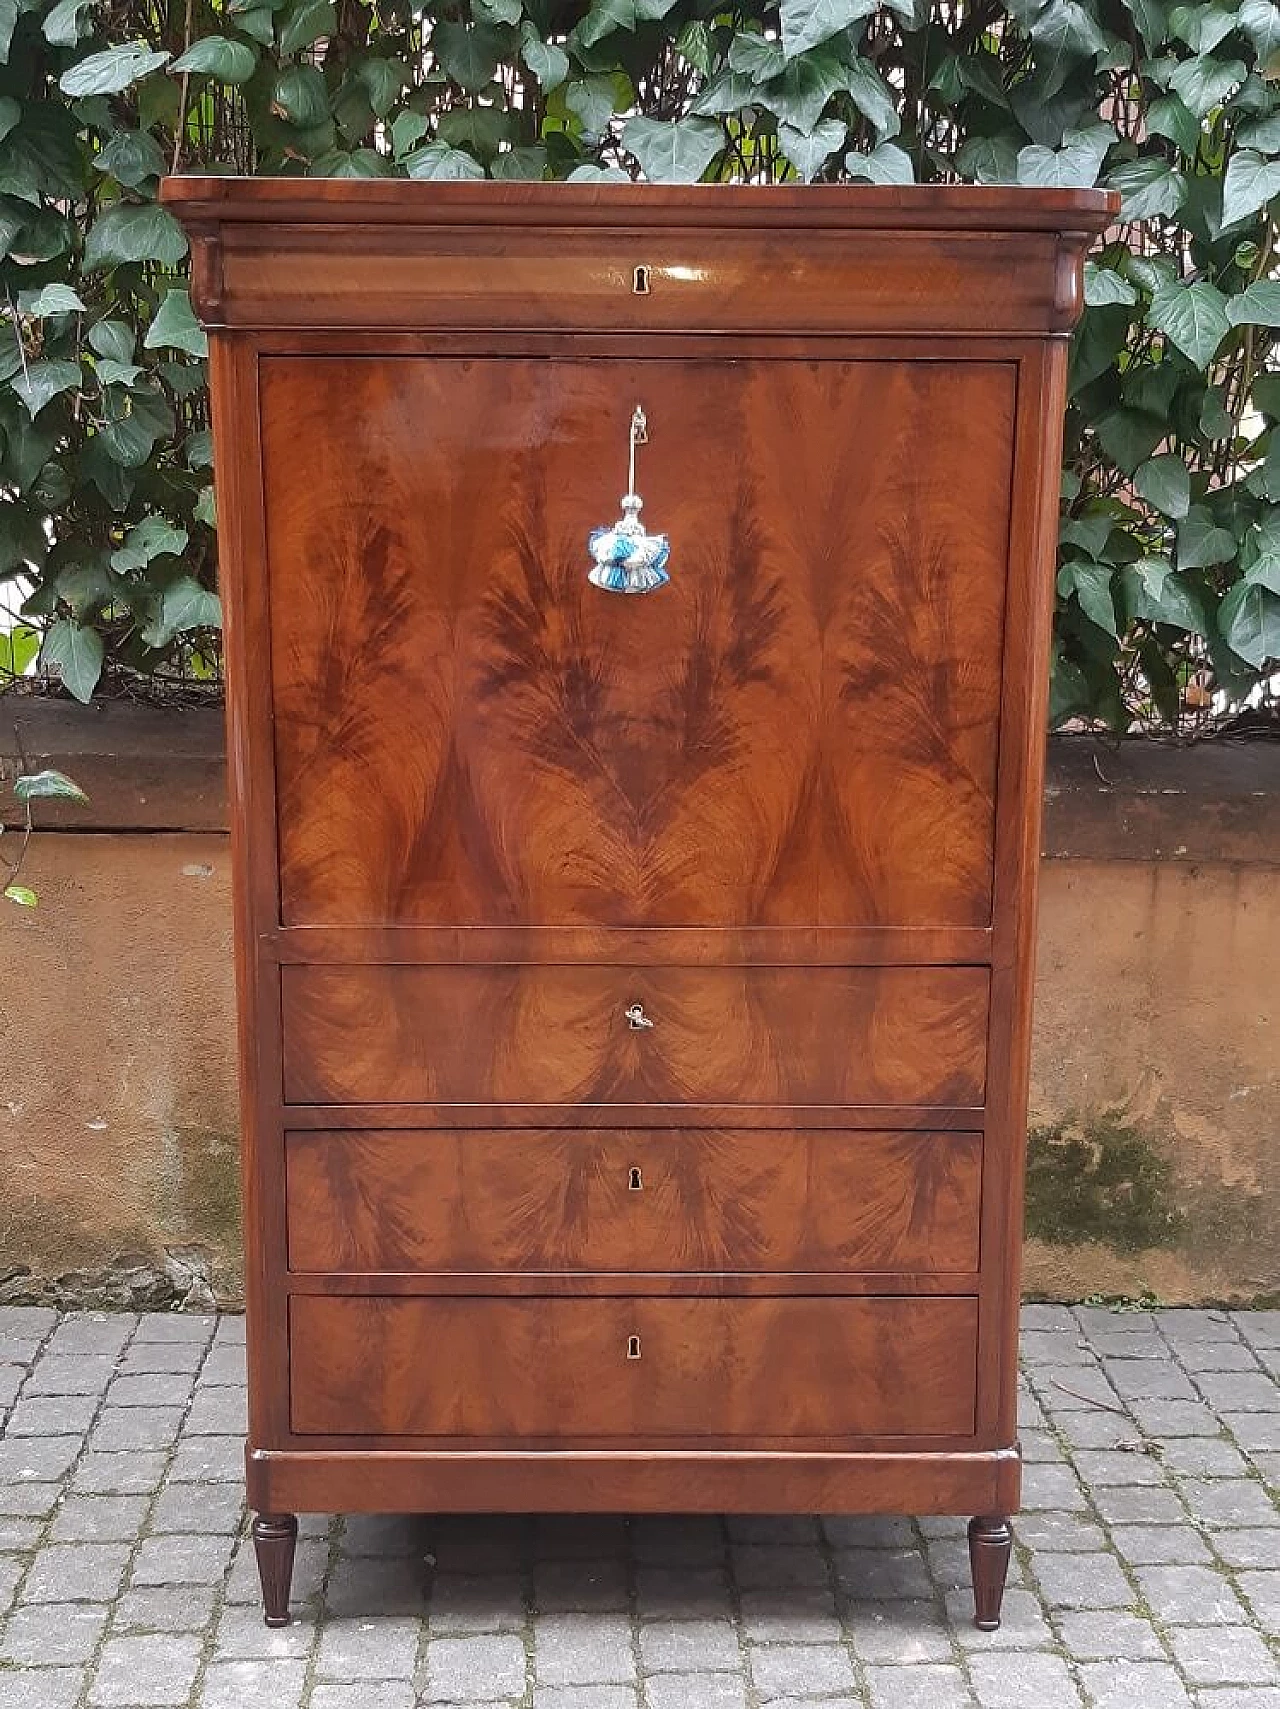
{"type": "Point", "coordinates": [635, 979]}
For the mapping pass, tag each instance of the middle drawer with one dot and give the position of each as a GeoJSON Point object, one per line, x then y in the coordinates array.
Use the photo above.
{"type": "Point", "coordinates": [634, 1035]}
{"type": "Point", "coordinates": [658, 1200]}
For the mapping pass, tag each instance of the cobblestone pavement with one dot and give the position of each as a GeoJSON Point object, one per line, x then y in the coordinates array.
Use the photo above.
{"type": "Point", "coordinates": [1147, 1569]}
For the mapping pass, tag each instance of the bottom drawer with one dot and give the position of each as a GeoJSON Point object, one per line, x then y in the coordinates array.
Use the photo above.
{"type": "Point", "coordinates": [562, 1368]}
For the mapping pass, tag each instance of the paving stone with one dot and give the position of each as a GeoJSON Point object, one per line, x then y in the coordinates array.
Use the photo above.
{"type": "Point", "coordinates": [223, 1364]}
{"type": "Point", "coordinates": [800, 1670]}
{"type": "Point", "coordinates": [462, 1603]}
{"type": "Point", "coordinates": [1082, 1581]}
{"type": "Point", "coordinates": [230, 1331]}
{"type": "Point", "coordinates": [688, 1646]}
{"type": "Point", "coordinates": [1239, 1391]}
{"type": "Point", "coordinates": [1230, 1355]}
{"type": "Point", "coordinates": [800, 1613]}
{"type": "Point", "coordinates": [1055, 1487]}
{"type": "Point", "coordinates": [1013, 1681]}
{"type": "Point", "coordinates": [565, 1587]}
{"type": "Point", "coordinates": [217, 1412]}
{"type": "Point", "coordinates": [1262, 1328]}
{"type": "Point", "coordinates": [1178, 1594]}
{"type": "Point", "coordinates": [1073, 1388]}
{"type": "Point", "coordinates": [1022, 1623]}
{"type": "Point", "coordinates": [1057, 1317]}
{"type": "Point", "coordinates": [1134, 1685]}
{"type": "Point", "coordinates": [591, 1696]}
{"type": "Point", "coordinates": [123, 1428]}
{"type": "Point", "coordinates": [118, 1474]}
{"type": "Point", "coordinates": [151, 1388]}
{"type": "Point", "coordinates": [782, 1528]}
{"type": "Point", "coordinates": [757, 1567]}
{"type": "Point", "coordinates": [1139, 1504]}
{"type": "Point", "coordinates": [870, 1531]}
{"type": "Point", "coordinates": [92, 1332]}
{"type": "Point", "coordinates": [99, 1518]}
{"type": "Point", "coordinates": [12, 1378]}
{"type": "Point", "coordinates": [1240, 1697]}
{"type": "Point", "coordinates": [1263, 1591]}
{"type": "Point", "coordinates": [1259, 1547]}
{"type": "Point", "coordinates": [208, 1459]}
{"type": "Point", "coordinates": [52, 1415]}
{"type": "Point", "coordinates": [368, 1649]}
{"type": "Point", "coordinates": [1051, 1347]}
{"type": "Point", "coordinates": [1149, 1379]}
{"type": "Point", "coordinates": [1113, 1320]}
{"type": "Point", "coordinates": [1194, 1323]}
{"type": "Point", "coordinates": [1148, 1545]}
{"type": "Point", "coordinates": [1040, 1447]}
{"type": "Point", "coordinates": [383, 1534]}
{"type": "Point", "coordinates": [199, 1507]}
{"type": "Point", "coordinates": [388, 1694]}
{"type": "Point", "coordinates": [1102, 1468]}
{"type": "Point", "coordinates": [1093, 1636]}
{"type": "Point", "coordinates": [1256, 1432]}
{"type": "Point", "coordinates": [365, 1587]}
{"type": "Point", "coordinates": [243, 1635]}
{"type": "Point", "coordinates": [1070, 1533]}
{"type": "Point", "coordinates": [31, 1321]}
{"type": "Point", "coordinates": [44, 1461]}
{"type": "Point", "coordinates": [1230, 1501]}
{"type": "Point", "coordinates": [44, 1688]}
{"type": "Point", "coordinates": [19, 1535]}
{"type": "Point", "coordinates": [583, 1649]}
{"type": "Point", "coordinates": [692, 1540]}
{"type": "Point", "coordinates": [903, 1633]}
{"type": "Point", "coordinates": [52, 1633]}
{"type": "Point", "coordinates": [681, 1593]}
{"type": "Point", "coordinates": [1116, 1345]}
{"type": "Point", "coordinates": [167, 1608]}
{"type": "Point", "coordinates": [578, 1536]}
{"type": "Point", "coordinates": [28, 1500]}
{"type": "Point", "coordinates": [1204, 1457]}
{"type": "Point", "coordinates": [76, 1572]}
{"type": "Point", "coordinates": [11, 1571]}
{"type": "Point", "coordinates": [146, 1356]}
{"type": "Point", "coordinates": [175, 1326]}
{"type": "Point", "coordinates": [1097, 1429]}
{"type": "Point", "coordinates": [235, 1685]}
{"type": "Point", "coordinates": [883, 1574]}
{"type": "Point", "coordinates": [1214, 1655]}
{"type": "Point", "coordinates": [146, 1671]}
{"type": "Point", "coordinates": [71, 1373]}
{"type": "Point", "coordinates": [474, 1670]}
{"type": "Point", "coordinates": [1167, 1418]}
{"type": "Point", "coordinates": [921, 1687]}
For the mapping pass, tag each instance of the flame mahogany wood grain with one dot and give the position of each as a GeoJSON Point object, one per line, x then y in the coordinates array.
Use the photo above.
{"type": "Point", "coordinates": [553, 1369]}
{"type": "Point", "coordinates": [801, 730]}
{"type": "Point", "coordinates": [759, 1035]}
{"type": "Point", "coordinates": [649, 1200]}
{"type": "Point", "coordinates": [791, 804]}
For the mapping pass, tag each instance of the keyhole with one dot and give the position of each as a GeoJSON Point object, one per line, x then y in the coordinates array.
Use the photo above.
{"type": "Point", "coordinates": [635, 1183]}
{"type": "Point", "coordinates": [640, 282]}
{"type": "Point", "coordinates": [633, 1347]}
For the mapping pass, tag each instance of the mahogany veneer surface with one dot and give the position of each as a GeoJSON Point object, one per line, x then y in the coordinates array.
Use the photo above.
{"type": "Point", "coordinates": [504, 1247]}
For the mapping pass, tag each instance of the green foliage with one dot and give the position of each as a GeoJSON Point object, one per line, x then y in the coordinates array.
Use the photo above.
{"type": "Point", "coordinates": [1169, 580]}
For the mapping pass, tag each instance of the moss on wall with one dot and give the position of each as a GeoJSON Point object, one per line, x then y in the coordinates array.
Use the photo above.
{"type": "Point", "coordinates": [1099, 1178]}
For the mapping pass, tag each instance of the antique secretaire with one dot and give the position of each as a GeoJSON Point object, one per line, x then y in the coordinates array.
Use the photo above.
{"type": "Point", "coordinates": [637, 611]}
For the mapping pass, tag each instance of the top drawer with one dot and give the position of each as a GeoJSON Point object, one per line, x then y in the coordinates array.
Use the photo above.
{"type": "Point", "coordinates": [723, 281]}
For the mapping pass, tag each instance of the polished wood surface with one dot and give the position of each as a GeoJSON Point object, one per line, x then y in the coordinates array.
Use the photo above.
{"type": "Point", "coordinates": [646, 1200]}
{"type": "Point", "coordinates": [790, 805]}
{"type": "Point", "coordinates": [801, 729]}
{"type": "Point", "coordinates": [557, 1369]}
{"type": "Point", "coordinates": [758, 1035]}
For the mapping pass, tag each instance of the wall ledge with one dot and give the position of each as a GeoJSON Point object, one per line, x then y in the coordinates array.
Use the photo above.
{"type": "Point", "coordinates": [149, 768]}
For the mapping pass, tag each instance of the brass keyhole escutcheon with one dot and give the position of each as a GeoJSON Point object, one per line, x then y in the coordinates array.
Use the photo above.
{"type": "Point", "coordinates": [633, 1347]}
{"type": "Point", "coordinates": [635, 1181]}
{"type": "Point", "coordinates": [640, 282]}
{"type": "Point", "coordinates": [636, 1018]}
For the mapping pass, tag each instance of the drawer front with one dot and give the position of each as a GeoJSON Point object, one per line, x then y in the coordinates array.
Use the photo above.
{"type": "Point", "coordinates": [801, 729]}
{"type": "Point", "coordinates": [645, 1200]}
{"type": "Point", "coordinates": [708, 1035]}
{"type": "Point", "coordinates": [560, 1369]}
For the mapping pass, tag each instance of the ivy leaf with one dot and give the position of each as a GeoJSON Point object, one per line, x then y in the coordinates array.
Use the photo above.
{"type": "Point", "coordinates": [755, 57]}
{"type": "Point", "coordinates": [61, 26]}
{"type": "Point", "coordinates": [1260, 21]}
{"type": "Point", "coordinates": [1075, 166]}
{"type": "Point", "coordinates": [988, 160]}
{"type": "Point", "coordinates": [1104, 285]}
{"type": "Point", "coordinates": [49, 300]}
{"type": "Point", "coordinates": [131, 158]}
{"type": "Point", "coordinates": [872, 97]}
{"type": "Point", "coordinates": [798, 96]}
{"type": "Point", "coordinates": [153, 537]}
{"type": "Point", "coordinates": [301, 96]}
{"type": "Point", "coordinates": [1257, 305]}
{"type": "Point", "coordinates": [1204, 83]}
{"type": "Point", "coordinates": [1156, 592]}
{"type": "Point", "coordinates": [113, 339]}
{"type": "Point", "coordinates": [1249, 184]}
{"type": "Point", "coordinates": [603, 18]}
{"type": "Point", "coordinates": [809, 23]}
{"type": "Point", "coordinates": [307, 25]}
{"type": "Point", "coordinates": [1249, 621]}
{"type": "Point", "coordinates": [8, 23]}
{"type": "Point", "coordinates": [48, 786]}
{"type": "Point", "coordinates": [1169, 117]}
{"type": "Point", "coordinates": [887, 164]}
{"type": "Point", "coordinates": [548, 63]}
{"type": "Point", "coordinates": [497, 11]}
{"type": "Point", "coordinates": [672, 153]}
{"type": "Point", "coordinates": [75, 654]}
{"type": "Point", "coordinates": [220, 57]}
{"type": "Point", "coordinates": [130, 437]}
{"type": "Point", "coordinates": [175, 326]}
{"type": "Point", "coordinates": [469, 54]}
{"type": "Point", "coordinates": [440, 161]}
{"type": "Point", "coordinates": [41, 382]}
{"type": "Point", "coordinates": [111, 71]}
{"type": "Point", "coordinates": [184, 605]}
{"type": "Point", "coordinates": [1091, 584]}
{"type": "Point", "coordinates": [1164, 482]}
{"type": "Point", "coordinates": [134, 231]}
{"type": "Point", "coordinates": [1261, 134]}
{"type": "Point", "coordinates": [1192, 317]}
{"type": "Point", "coordinates": [1202, 543]}
{"type": "Point", "coordinates": [1148, 188]}
{"type": "Point", "coordinates": [382, 79]}
{"type": "Point", "coordinates": [729, 92]}
{"type": "Point", "coordinates": [809, 154]}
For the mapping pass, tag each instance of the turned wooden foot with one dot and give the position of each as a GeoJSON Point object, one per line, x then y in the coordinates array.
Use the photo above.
{"type": "Point", "coordinates": [275, 1536]}
{"type": "Point", "coordinates": [990, 1541]}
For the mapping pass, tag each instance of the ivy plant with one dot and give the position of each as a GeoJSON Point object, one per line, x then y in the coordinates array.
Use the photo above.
{"type": "Point", "coordinates": [1169, 577]}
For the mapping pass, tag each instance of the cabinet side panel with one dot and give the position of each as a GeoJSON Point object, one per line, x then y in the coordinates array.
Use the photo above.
{"type": "Point", "coordinates": [1032, 546]}
{"type": "Point", "coordinates": [251, 787]}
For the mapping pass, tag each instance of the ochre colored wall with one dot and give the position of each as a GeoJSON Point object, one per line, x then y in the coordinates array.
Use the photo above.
{"type": "Point", "coordinates": [1155, 1104]}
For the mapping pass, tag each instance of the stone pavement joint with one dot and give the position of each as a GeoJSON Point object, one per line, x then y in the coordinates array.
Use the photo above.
{"type": "Point", "coordinates": [1146, 1572]}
